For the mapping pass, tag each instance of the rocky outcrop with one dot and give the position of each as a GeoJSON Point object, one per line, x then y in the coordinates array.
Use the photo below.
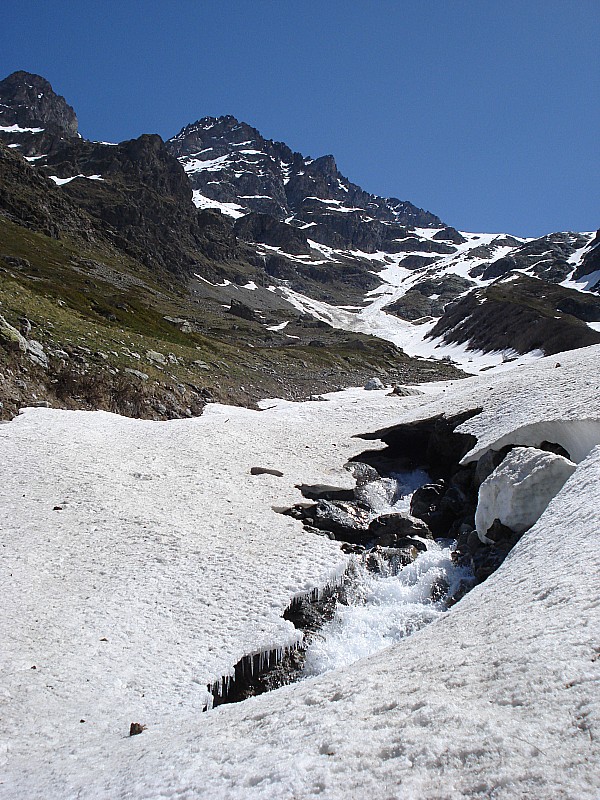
{"type": "Point", "coordinates": [429, 297]}
{"type": "Point", "coordinates": [590, 264]}
{"type": "Point", "coordinates": [32, 117]}
{"type": "Point", "coordinates": [264, 228]}
{"type": "Point", "coordinates": [523, 314]}
{"type": "Point", "coordinates": [546, 258]}
{"type": "Point", "coordinates": [30, 199]}
{"type": "Point", "coordinates": [28, 101]}
{"type": "Point", "coordinates": [266, 177]}
{"type": "Point", "coordinates": [143, 201]}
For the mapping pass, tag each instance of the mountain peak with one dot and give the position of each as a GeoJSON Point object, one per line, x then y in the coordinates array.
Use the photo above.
{"type": "Point", "coordinates": [28, 101]}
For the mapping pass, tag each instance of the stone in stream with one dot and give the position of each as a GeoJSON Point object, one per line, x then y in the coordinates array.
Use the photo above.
{"type": "Point", "coordinates": [391, 529]}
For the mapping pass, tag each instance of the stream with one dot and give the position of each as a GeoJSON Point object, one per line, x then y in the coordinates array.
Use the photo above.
{"type": "Point", "coordinates": [388, 604]}
{"type": "Point", "coordinates": [384, 608]}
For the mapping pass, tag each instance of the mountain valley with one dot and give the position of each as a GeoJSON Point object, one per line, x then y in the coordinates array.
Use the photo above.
{"type": "Point", "coordinates": [150, 277]}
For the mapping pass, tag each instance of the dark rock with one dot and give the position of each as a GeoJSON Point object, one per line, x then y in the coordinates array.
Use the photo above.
{"type": "Point", "coordinates": [265, 471]}
{"type": "Point", "coordinates": [386, 561]}
{"type": "Point", "coordinates": [487, 463]}
{"type": "Point", "coordinates": [394, 527]}
{"type": "Point", "coordinates": [449, 234]}
{"type": "Point", "coordinates": [502, 536]}
{"type": "Point", "coordinates": [403, 391]}
{"type": "Point", "coordinates": [239, 309]}
{"type": "Point", "coordinates": [28, 101]}
{"type": "Point", "coordinates": [268, 230]}
{"type": "Point", "coordinates": [426, 499]}
{"type": "Point", "coordinates": [590, 263]}
{"type": "Point", "coordinates": [323, 492]}
{"type": "Point", "coordinates": [520, 314]}
{"type": "Point", "coordinates": [345, 520]}
{"type": "Point", "coordinates": [429, 297]}
{"type": "Point", "coordinates": [362, 473]}
{"type": "Point", "coordinates": [135, 728]}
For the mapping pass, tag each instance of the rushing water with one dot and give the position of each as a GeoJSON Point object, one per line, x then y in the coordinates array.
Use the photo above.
{"type": "Point", "coordinates": [386, 606]}
{"type": "Point", "coordinates": [384, 609]}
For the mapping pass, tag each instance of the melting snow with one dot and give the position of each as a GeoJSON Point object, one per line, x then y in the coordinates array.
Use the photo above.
{"type": "Point", "coordinates": [230, 209]}
{"type": "Point", "coordinates": [140, 560]}
{"type": "Point", "coordinates": [18, 129]}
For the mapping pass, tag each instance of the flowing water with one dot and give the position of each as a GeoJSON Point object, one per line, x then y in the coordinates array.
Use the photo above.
{"type": "Point", "coordinates": [385, 606]}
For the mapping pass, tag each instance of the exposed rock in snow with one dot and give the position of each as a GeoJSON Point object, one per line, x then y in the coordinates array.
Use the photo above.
{"type": "Point", "coordinates": [519, 490]}
{"type": "Point", "coordinates": [374, 383]}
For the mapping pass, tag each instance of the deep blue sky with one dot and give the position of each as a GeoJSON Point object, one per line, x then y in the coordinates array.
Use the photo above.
{"type": "Point", "coordinates": [485, 112]}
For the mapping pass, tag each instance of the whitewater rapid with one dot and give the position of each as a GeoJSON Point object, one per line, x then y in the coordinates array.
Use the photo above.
{"type": "Point", "coordinates": [386, 605]}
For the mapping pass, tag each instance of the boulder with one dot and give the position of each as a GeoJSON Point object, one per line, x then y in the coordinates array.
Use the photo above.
{"type": "Point", "coordinates": [519, 490]}
{"type": "Point", "coordinates": [344, 520]}
{"type": "Point", "coordinates": [374, 383]}
{"type": "Point", "coordinates": [391, 530]}
{"type": "Point", "coordinates": [10, 337]}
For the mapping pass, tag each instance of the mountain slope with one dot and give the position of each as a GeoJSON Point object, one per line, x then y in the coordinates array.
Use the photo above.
{"type": "Point", "coordinates": [271, 259]}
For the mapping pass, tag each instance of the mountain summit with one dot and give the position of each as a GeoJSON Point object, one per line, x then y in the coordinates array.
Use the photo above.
{"type": "Point", "coordinates": [29, 100]}
{"type": "Point", "coordinates": [233, 167]}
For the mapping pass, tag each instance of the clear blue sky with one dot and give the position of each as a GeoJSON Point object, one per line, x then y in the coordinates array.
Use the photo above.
{"type": "Point", "coordinates": [485, 112]}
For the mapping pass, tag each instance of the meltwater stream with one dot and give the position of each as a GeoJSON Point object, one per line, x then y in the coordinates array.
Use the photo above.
{"type": "Point", "coordinates": [387, 605]}
{"type": "Point", "coordinates": [382, 610]}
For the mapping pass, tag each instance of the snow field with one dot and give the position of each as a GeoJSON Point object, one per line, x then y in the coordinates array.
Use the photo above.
{"type": "Point", "coordinates": [496, 698]}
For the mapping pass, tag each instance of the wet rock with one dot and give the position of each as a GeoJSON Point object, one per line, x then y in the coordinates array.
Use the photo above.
{"type": "Point", "coordinates": [426, 500]}
{"type": "Point", "coordinates": [342, 518]}
{"type": "Point", "coordinates": [391, 530]}
{"type": "Point", "coordinates": [387, 561]}
{"type": "Point", "coordinates": [362, 473]}
{"type": "Point", "coordinates": [378, 494]}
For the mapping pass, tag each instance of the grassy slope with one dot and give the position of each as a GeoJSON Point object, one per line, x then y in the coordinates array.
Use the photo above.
{"type": "Point", "coordinates": [97, 313]}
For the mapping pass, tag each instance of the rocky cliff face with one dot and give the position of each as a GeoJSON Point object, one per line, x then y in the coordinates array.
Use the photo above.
{"type": "Point", "coordinates": [231, 165]}
{"type": "Point", "coordinates": [32, 115]}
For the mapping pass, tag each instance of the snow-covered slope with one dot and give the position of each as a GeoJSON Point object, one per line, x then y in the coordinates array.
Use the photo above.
{"type": "Point", "coordinates": [165, 563]}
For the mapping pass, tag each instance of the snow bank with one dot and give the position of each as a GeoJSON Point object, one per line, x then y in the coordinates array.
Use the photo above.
{"type": "Point", "coordinates": [166, 548]}
{"type": "Point", "coordinates": [519, 490]}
